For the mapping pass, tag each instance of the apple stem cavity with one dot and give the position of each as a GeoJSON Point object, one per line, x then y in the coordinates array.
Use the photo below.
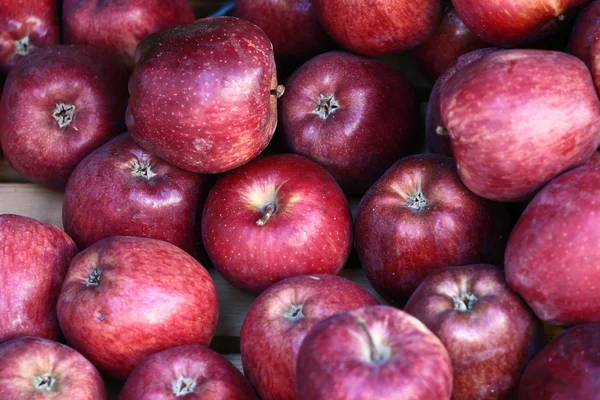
{"type": "Point", "coordinates": [269, 211]}
{"type": "Point", "coordinates": [143, 169]}
{"type": "Point", "coordinates": [183, 386]}
{"type": "Point", "coordinates": [63, 114]}
{"type": "Point", "coordinates": [93, 278]}
{"type": "Point", "coordinates": [44, 382]}
{"type": "Point", "coordinates": [561, 18]}
{"type": "Point", "coordinates": [416, 201]}
{"type": "Point", "coordinates": [23, 47]}
{"type": "Point", "coordinates": [464, 302]}
{"type": "Point", "coordinates": [440, 130]}
{"type": "Point", "coordinates": [278, 91]}
{"type": "Point", "coordinates": [377, 354]}
{"type": "Point", "coordinates": [294, 313]}
{"type": "Point", "coordinates": [326, 105]}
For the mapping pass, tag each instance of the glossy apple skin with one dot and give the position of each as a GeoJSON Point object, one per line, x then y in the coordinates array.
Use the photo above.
{"type": "Point", "coordinates": [33, 140]}
{"type": "Point", "coordinates": [35, 20]}
{"type": "Point", "coordinates": [291, 25]}
{"type": "Point", "coordinates": [25, 358]}
{"type": "Point", "coordinates": [440, 143]}
{"type": "Point", "coordinates": [552, 254]}
{"type": "Point", "coordinates": [34, 258]}
{"type": "Point", "coordinates": [310, 231]}
{"type": "Point", "coordinates": [272, 331]}
{"type": "Point", "coordinates": [150, 296]}
{"type": "Point", "coordinates": [394, 236]}
{"type": "Point", "coordinates": [584, 32]}
{"type": "Point", "coordinates": [213, 377]}
{"type": "Point", "coordinates": [518, 118]}
{"type": "Point", "coordinates": [336, 360]}
{"type": "Point", "coordinates": [489, 342]}
{"type": "Point", "coordinates": [451, 40]}
{"type": "Point", "coordinates": [374, 125]}
{"type": "Point", "coordinates": [202, 94]}
{"type": "Point", "coordinates": [509, 23]}
{"type": "Point", "coordinates": [379, 27]}
{"type": "Point", "coordinates": [119, 26]}
{"type": "Point", "coordinates": [162, 202]}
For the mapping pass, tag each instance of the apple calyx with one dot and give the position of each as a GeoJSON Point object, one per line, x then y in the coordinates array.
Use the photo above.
{"type": "Point", "coordinates": [294, 313]}
{"type": "Point", "coordinates": [561, 17]}
{"type": "Point", "coordinates": [440, 130]}
{"type": "Point", "coordinates": [93, 278]}
{"type": "Point", "coordinates": [278, 91]}
{"type": "Point", "coordinates": [64, 114]}
{"type": "Point", "coordinates": [142, 168]}
{"type": "Point", "coordinates": [183, 386]}
{"type": "Point", "coordinates": [23, 47]}
{"type": "Point", "coordinates": [268, 212]}
{"type": "Point", "coordinates": [378, 354]}
{"type": "Point", "coordinates": [44, 382]}
{"type": "Point", "coordinates": [326, 105]}
{"type": "Point", "coordinates": [464, 302]}
{"type": "Point", "coordinates": [416, 201]}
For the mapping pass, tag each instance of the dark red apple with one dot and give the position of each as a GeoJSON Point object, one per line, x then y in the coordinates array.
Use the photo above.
{"type": "Point", "coordinates": [58, 105]}
{"type": "Point", "coordinates": [419, 217]}
{"type": "Point", "coordinates": [34, 258]}
{"type": "Point", "coordinates": [489, 332]}
{"type": "Point", "coordinates": [374, 352]}
{"type": "Point", "coordinates": [277, 217]}
{"type": "Point", "coordinates": [24, 26]}
{"type": "Point", "coordinates": [119, 25]}
{"type": "Point", "coordinates": [355, 116]}
{"type": "Point", "coordinates": [518, 118]}
{"type": "Point", "coordinates": [125, 298]}
{"type": "Point", "coordinates": [438, 140]}
{"type": "Point", "coordinates": [552, 256]}
{"type": "Point", "coordinates": [584, 32]}
{"type": "Point", "coordinates": [595, 159]}
{"type": "Point", "coordinates": [511, 22]}
{"type": "Point", "coordinates": [379, 27]}
{"type": "Point", "coordinates": [192, 372]}
{"type": "Point", "coordinates": [204, 95]}
{"type": "Point", "coordinates": [280, 318]}
{"type": "Point", "coordinates": [451, 40]}
{"type": "Point", "coordinates": [39, 369]}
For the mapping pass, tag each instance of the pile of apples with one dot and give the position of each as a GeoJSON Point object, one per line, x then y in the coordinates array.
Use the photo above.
{"type": "Point", "coordinates": [159, 129]}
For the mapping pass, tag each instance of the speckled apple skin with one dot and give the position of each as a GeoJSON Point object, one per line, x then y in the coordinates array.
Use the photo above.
{"type": "Point", "coordinates": [334, 363]}
{"type": "Point", "coordinates": [584, 32]}
{"type": "Point", "coordinates": [311, 232]}
{"type": "Point", "coordinates": [518, 118]}
{"type": "Point", "coordinates": [215, 376]}
{"type": "Point", "coordinates": [270, 341]}
{"type": "Point", "coordinates": [489, 345]}
{"type": "Point", "coordinates": [151, 296]}
{"type": "Point", "coordinates": [34, 257]}
{"type": "Point", "coordinates": [119, 25]}
{"type": "Point", "coordinates": [202, 94]}
{"type": "Point", "coordinates": [26, 357]}
{"type": "Point", "coordinates": [553, 254]}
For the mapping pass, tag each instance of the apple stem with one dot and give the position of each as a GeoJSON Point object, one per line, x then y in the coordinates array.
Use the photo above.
{"type": "Point", "coordinates": [22, 46]}
{"type": "Point", "coordinates": [278, 91]}
{"type": "Point", "coordinates": [294, 313]}
{"type": "Point", "coordinates": [143, 168]}
{"type": "Point", "coordinates": [268, 213]}
{"type": "Point", "coordinates": [326, 105]}
{"type": "Point", "coordinates": [44, 382]}
{"type": "Point", "coordinates": [464, 302]}
{"type": "Point", "coordinates": [440, 130]}
{"type": "Point", "coordinates": [93, 279]}
{"type": "Point", "coordinates": [64, 114]}
{"type": "Point", "coordinates": [183, 386]}
{"type": "Point", "coordinates": [376, 354]}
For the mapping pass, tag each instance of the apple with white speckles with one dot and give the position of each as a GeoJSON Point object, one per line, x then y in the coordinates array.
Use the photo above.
{"type": "Point", "coordinates": [277, 217]}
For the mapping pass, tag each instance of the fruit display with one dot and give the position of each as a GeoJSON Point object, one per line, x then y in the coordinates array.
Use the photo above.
{"type": "Point", "coordinates": [299, 200]}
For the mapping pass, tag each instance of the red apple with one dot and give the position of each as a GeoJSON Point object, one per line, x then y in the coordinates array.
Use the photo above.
{"type": "Point", "coordinates": [277, 217]}
{"type": "Point", "coordinates": [566, 369]}
{"type": "Point", "coordinates": [58, 105]}
{"type": "Point", "coordinates": [278, 321]}
{"type": "Point", "coordinates": [512, 22]}
{"type": "Point", "coordinates": [24, 26]}
{"type": "Point", "coordinates": [204, 95]}
{"type": "Point", "coordinates": [379, 27]}
{"type": "Point", "coordinates": [291, 25]}
{"type": "Point", "coordinates": [518, 118]}
{"type": "Point", "coordinates": [119, 26]}
{"type": "Point", "coordinates": [38, 369]}
{"type": "Point", "coordinates": [552, 256]}
{"type": "Point", "coordinates": [584, 32]}
{"type": "Point", "coordinates": [374, 352]}
{"type": "Point", "coordinates": [595, 159]}
{"type": "Point", "coordinates": [191, 372]}
{"type": "Point", "coordinates": [355, 116]}
{"type": "Point", "coordinates": [125, 298]}
{"type": "Point", "coordinates": [419, 217]}
{"type": "Point", "coordinates": [451, 40]}
{"type": "Point", "coordinates": [438, 140]}
{"type": "Point", "coordinates": [489, 332]}
{"type": "Point", "coordinates": [34, 258]}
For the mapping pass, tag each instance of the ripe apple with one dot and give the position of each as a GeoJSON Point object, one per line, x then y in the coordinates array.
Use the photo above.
{"type": "Point", "coordinates": [595, 159]}
{"type": "Point", "coordinates": [552, 256]}
{"type": "Point", "coordinates": [36, 368]}
{"type": "Point", "coordinates": [489, 332]}
{"type": "Point", "coordinates": [374, 352]}
{"type": "Point", "coordinates": [584, 32]}
{"type": "Point", "coordinates": [58, 105]}
{"type": "Point", "coordinates": [509, 23]}
{"type": "Point", "coordinates": [192, 371]}
{"type": "Point", "coordinates": [277, 217]}
{"type": "Point", "coordinates": [438, 140]}
{"type": "Point", "coordinates": [353, 115]}
{"type": "Point", "coordinates": [119, 26]}
{"type": "Point", "coordinates": [278, 321]}
{"type": "Point", "coordinates": [379, 27]}
{"type": "Point", "coordinates": [125, 298]}
{"type": "Point", "coordinates": [34, 258]}
{"type": "Point", "coordinates": [419, 217]}
{"type": "Point", "coordinates": [451, 40]}
{"type": "Point", "coordinates": [518, 118]}
{"type": "Point", "coordinates": [24, 26]}
{"type": "Point", "coordinates": [204, 95]}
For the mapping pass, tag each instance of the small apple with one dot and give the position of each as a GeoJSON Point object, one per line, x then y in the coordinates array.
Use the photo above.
{"type": "Point", "coordinates": [125, 298]}
{"type": "Point", "coordinates": [584, 32]}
